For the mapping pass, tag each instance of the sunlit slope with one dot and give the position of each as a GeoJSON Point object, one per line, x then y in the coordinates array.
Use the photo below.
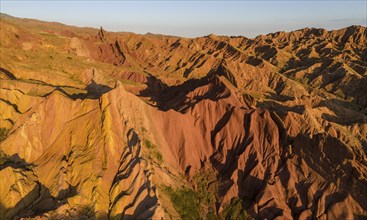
{"type": "Point", "coordinates": [103, 125]}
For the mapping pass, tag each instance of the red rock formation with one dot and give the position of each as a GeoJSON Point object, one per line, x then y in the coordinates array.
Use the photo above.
{"type": "Point", "coordinates": [97, 124]}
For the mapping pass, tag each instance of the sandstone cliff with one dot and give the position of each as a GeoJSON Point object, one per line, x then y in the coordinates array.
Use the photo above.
{"type": "Point", "coordinates": [103, 125]}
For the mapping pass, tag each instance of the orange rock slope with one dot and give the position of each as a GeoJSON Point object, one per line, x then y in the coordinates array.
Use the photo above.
{"type": "Point", "coordinates": [103, 125]}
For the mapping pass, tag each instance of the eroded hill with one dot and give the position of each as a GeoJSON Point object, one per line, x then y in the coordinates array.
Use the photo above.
{"type": "Point", "coordinates": [103, 125]}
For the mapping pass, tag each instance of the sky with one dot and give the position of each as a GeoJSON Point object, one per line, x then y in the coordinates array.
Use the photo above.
{"type": "Point", "coordinates": [192, 18]}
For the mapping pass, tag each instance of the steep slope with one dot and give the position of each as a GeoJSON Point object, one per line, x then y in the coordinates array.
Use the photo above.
{"type": "Point", "coordinates": [98, 165]}
{"type": "Point", "coordinates": [104, 125]}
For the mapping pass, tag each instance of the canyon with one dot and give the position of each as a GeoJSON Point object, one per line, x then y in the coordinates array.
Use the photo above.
{"type": "Point", "coordinates": [117, 125]}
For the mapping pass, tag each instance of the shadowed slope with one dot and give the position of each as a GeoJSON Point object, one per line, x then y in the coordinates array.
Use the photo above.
{"type": "Point", "coordinates": [105, 125]}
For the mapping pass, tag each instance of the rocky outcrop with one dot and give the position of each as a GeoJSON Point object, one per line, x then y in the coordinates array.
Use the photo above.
{"type": "Point", "coordinates": [100, 166]}
{"type": "Point", "coordinates": [99, 125]}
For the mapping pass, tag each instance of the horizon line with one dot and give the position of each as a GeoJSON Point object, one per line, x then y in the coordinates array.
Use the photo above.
{"type": "Point", "coordinates": [170, 35]}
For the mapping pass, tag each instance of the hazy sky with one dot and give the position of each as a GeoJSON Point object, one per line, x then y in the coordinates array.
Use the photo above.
{"type": "Point", "coordinates": [195, 18]}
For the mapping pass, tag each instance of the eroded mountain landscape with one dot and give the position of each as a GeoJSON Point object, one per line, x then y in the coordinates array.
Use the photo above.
{"type": "Point", "coordinates": [117, 125]}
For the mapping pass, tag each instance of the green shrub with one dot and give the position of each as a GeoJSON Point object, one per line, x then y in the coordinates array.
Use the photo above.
{"type": "Point", "coordinates": [153, 151]}
{"type": "Point", "coordinates": [3, 134]}
{"type": "Point", "coordinates": [148, 144]}
{"type": "Point", "coordinates": [143, 130]}
{"type": "Point", "coordinates": [158, 156]}
{"type": "Point", "coordinates": [235, 210]}
{"type": "Point", "coordinates": [205, 196]}
{"type": "Point", "coordinates": [211, 215]}
{"type": "Point", "coordinates": [185, 201]}
{"type": "Point", "coordinates": [191, 204]}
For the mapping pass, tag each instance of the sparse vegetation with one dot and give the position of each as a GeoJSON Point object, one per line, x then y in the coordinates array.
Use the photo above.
{"type": "Point", "coordinates": [235, 210]}
{"type": "Point", "coordinates": [159, 82]}
{"type": "Point", "coordinates": [3, 157]}
{"type": "Point", "coordinates": [185, 201]}
{"type": "Point", "coordinates": [3, 134]}
{"type": "Point", "coordinates": [153, 152]}
{"type": "Point", "coordinates": [158, 156]}
{"type": "Point", "coordinates": [191, 204]}
{"type": "Point", "coordinates": [211, 214]}
{"type": "Point", "coordinates": [148, 144]}
{"type": "Point", "coordinates": [143, 130]}
{"type": "Point", "coordinates": [204, 195]}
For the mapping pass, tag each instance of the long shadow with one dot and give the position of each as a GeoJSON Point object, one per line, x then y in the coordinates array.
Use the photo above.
{"type": "Point", "coordinates": [225, 170]}
{"type": "Point", "coordinates": [37, 202]}
{"type": "Point", "coordinates": [14, 106]}
{"type": "Point", "coordinates": [332, 74]}
{"type": "Point", "coordinates": [176, 97]}
{"type": "Point", "coordinates": [266, 52]}
{"type": "Point", "coordinates": [357, 89]}
{"type": "Point", "coordinates": [248, 187]}
{"type": "Point", "coordinates": [15, 161]}
{"type": "Point", "coordinates": [8, 73]}
{"type": "Point", "coordinates": [223, 70]}
{"type": "Point", "coordinates": [274, 106]}
{"type": "Point", "coordinates": [334, 154]}
{"type": "Point", "coordinates": [143, 210]}
{"type": "Point", "coordinates": [338, 106]}
{"type": "Point", "coordinates": [94, 91]}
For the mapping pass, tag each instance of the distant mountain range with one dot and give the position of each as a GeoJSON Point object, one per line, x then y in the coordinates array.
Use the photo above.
{"type": "Point", "coordinates": [104, 125]}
